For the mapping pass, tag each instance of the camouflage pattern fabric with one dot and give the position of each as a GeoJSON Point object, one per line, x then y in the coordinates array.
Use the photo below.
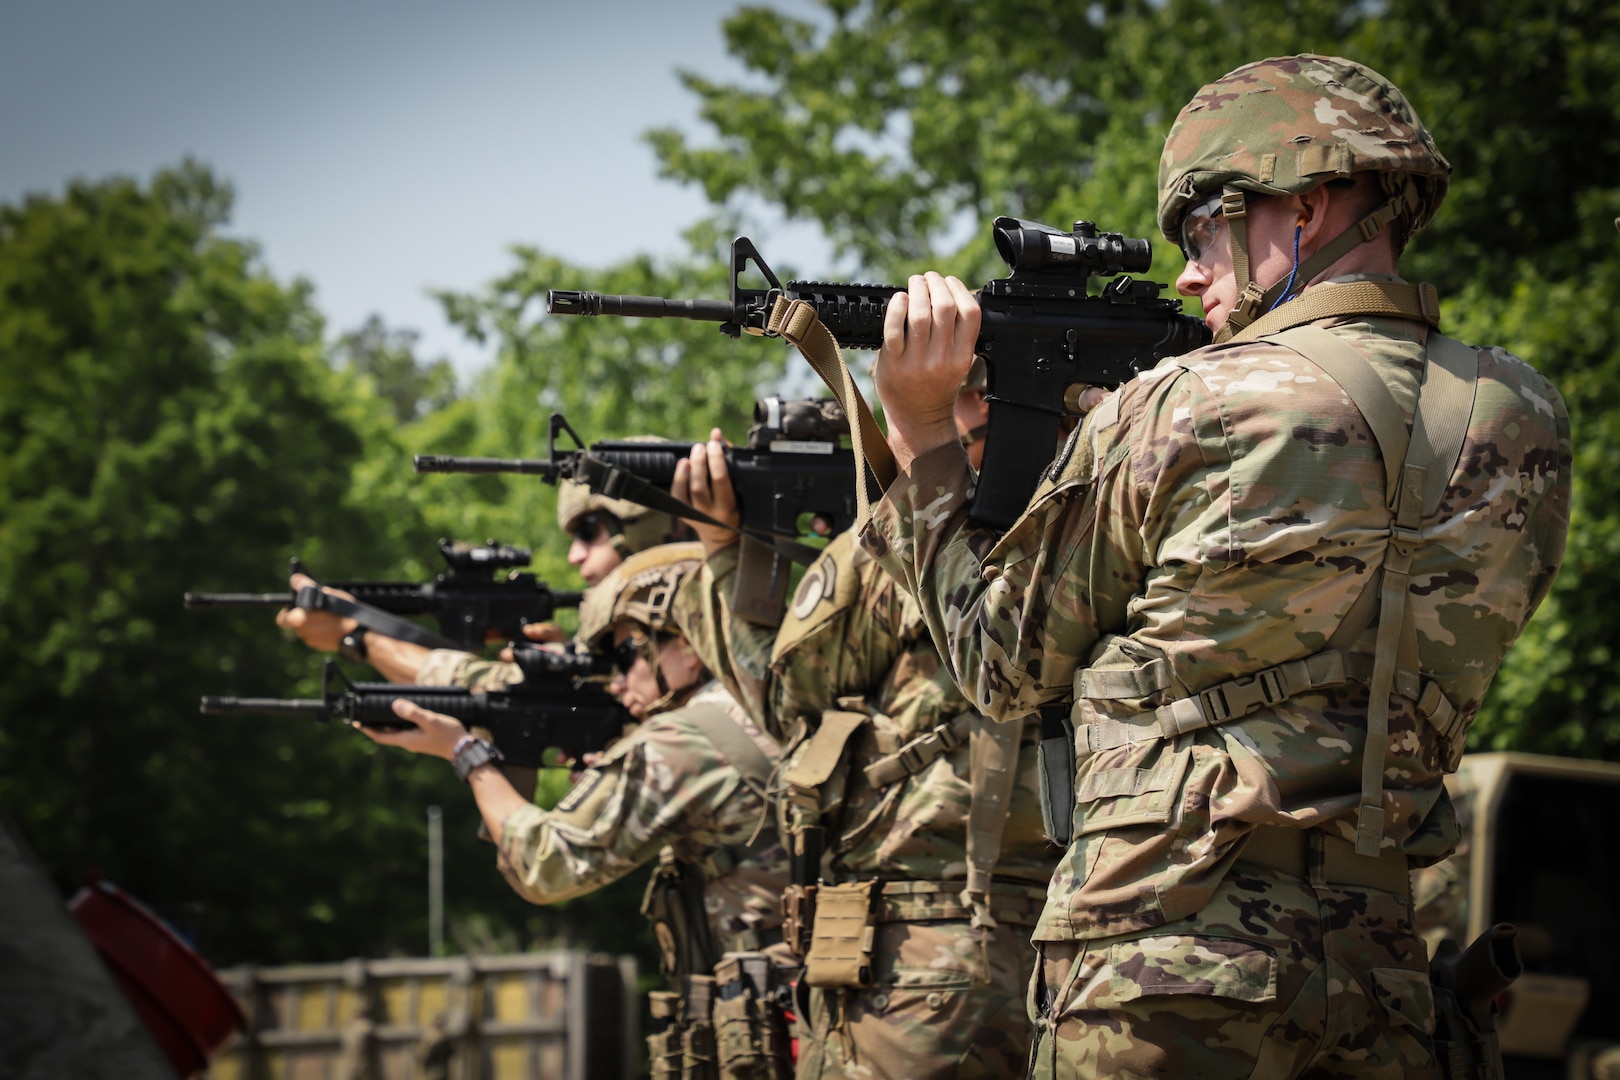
{"type": "Point", "coordinates": [663, 784]}
{"type": "Point", "coordinates": [1213, 518]}
{"type": "Point", "coordinates": [1284, 125]}
{"type": "Point", "coordinates": [850, 632]}
{"type": "Point", "coordinates": [451, 667]}
{"type": "Point", "coordinates": [1440, 892]}
{"type": "Point", "coordinates": [1218, 518]}
{"type": "Point", "coordinates": [1272, 978]}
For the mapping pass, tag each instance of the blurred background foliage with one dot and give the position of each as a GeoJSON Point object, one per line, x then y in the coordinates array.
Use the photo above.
{"type": "Point", "coordinates": [173, 418]}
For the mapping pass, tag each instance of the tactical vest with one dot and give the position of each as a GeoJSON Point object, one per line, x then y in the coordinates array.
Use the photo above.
{"type": "Point", "coordinates": [831, 926]}
{"type": "Point", "coordinates": [674, 898]}
{"type": "Point", "coordinates": [1418, 466]}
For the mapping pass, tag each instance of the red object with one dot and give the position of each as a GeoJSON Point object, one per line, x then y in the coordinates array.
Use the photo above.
{"type": "Point", "coordinates": [179, 998]}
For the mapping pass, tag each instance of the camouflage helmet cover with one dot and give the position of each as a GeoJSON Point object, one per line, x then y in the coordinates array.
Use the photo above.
{"type": "Point", "coordinates": [641, 589]}
{"type": "Point", "coordinates": [634, 527]}
{"type": "Point", "coordinates": [1284, 125]}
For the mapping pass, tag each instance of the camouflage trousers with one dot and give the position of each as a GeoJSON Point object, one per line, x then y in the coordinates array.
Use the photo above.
{"type": "Point", "coordinates": [945, 1002]}
{"type": "Point", "coordinates": [1275, 978]}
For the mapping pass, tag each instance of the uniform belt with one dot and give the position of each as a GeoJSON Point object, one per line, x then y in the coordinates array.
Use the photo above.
{"type": "Point", "coordinates": [1295, 851]}
{"type": "Point", "coordinates": [921, 901]}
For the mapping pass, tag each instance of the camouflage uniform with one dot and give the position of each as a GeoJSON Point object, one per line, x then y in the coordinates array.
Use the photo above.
{"type": "Point", "coordinates": [1213, 521]}
{"type": "Point", "coordinates": [944, 998]}
{"type": "Point", "coordinates": [664, 786]}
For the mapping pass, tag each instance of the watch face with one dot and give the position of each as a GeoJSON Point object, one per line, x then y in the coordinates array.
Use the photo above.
{"type": "Point", "coordinates": [475, 754]}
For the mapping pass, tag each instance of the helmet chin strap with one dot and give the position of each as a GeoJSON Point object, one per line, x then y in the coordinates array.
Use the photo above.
{"type": "Point", "coordinates": [1254, 301]}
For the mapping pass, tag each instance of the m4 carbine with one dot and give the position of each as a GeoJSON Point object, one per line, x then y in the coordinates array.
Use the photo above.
{"type": "Point", "coordinates": [471, 601]}
{"type": "Point", "coordinates": [555, 706]}
{"type": "Point", "coordinates": [1043, 336]}
{"type": "Point", "coordinates": [793, 469]}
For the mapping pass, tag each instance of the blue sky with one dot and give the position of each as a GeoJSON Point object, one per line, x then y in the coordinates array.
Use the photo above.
{"type": "Point", "coordinates": [379, 149]}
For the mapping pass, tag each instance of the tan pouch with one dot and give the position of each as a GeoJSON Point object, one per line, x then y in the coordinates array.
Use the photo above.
{"type": "Point", "coordinates": [664, 1045]}
{"type": "Point", "coordinates": [798, 916]}
{"type": "Point", "coordinates": [842, 936]}
{"type": "Point", "coordinates": [698, 1058]}
{"type": "Point", "coordinates": [751, 1032]}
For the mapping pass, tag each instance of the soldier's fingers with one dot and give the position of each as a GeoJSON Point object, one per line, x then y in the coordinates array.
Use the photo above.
{"type": "Point", "coordinates": [299, 581]}
{"type": "Point", "coordinates": [681, 486]}
{"type": "Point", "coordinates": [723, 496]}
{"type": "Point", "coordinates": [919, 314]}
{"type": "Point", "coordinates": [544, 632]}
{"type": "Point", "coordinates": [941, 308]}
{"type": "Point", "coordinates": [699, 471]}
{"type": "Point", "coordinates": [967, 309]}
{"type": "Point", "coordinates": [894, 324]}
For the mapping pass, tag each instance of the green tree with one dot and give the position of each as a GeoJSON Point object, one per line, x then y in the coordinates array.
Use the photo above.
{"type": "Point", "coordinates": [413, 387]}
{"type": "Point", "coordinates": [169, 420]}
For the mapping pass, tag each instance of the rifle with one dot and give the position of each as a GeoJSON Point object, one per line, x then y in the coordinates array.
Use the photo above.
{"type": "Point", "coordinates": [470, 602]}
{"type": "Point", "coordinates": [793, 466]}
{"type": "Point", "coordinates": [1044, 339]}
{"type": "Point", "coordinates": [1466, 985]}
{"type": "Point", "coordinates": [554, 706]}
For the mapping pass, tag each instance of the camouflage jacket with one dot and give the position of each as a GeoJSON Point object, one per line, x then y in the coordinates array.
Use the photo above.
{"type": "Point", "coordinates": [850, 633]}
{"type": "Point", "coordinates": [665, 784]}
{"type": "Point", "coordinates": [451, 667]}
{"type": "Point", "coordinates": [1215, 517]}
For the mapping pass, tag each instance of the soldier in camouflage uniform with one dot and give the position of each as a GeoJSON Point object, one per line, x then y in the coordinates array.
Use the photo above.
{"type": "Point", "coordinates": [686, 788]}
{"type": "Point", "coordinates": [603, 533]}
{"type": "Point", "coordinates": [910, 796]}
{"type": "Point", "coordinates": [1268, 584]}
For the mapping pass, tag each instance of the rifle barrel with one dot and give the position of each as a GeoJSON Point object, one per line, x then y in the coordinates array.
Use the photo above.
{"type": "Point", "coordinates": [570, 302]}
{"type": "Point", "coordinates": [445, 463]}
{"type": "Point", "coordinates": [239, 599]}
{"type": "Point", "coordinates": [217, 705]}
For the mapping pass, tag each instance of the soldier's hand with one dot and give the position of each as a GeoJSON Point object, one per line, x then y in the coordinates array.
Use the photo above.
{"type": "Point", "coordinates": [929, 333]}
{"type": "Point", "coordinates": [320, 630]}
{"type": "Point", "coordinates": [435, 733]}
{"type": "Point", "coordinates": [703, 481]}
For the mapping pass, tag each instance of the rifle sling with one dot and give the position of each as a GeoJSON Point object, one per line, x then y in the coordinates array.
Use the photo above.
{"type": "Point", "coordinates": [798, 322]}
{"type": "Point", "coordinates": [617, 483]}
{"type": "Point", "coordinates": [314, 598]}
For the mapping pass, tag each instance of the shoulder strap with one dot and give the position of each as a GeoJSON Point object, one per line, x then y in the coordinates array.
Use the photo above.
{"type": "Point", "coordinates": [722, 730]}
{"type": "Point", "coordinates": [1417, 468]}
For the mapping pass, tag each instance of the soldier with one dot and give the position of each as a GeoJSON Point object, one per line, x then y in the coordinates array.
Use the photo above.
{"type": "Point", "coordinates": [1268, 584]}
{"type": "Point", "coordinates": [913, 822]}
{"type": "Point", "coordinates": [686, 787]}
{"type": "Point", "coordinates": [604, 532]}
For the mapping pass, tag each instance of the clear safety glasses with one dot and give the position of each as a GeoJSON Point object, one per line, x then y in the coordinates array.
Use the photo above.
{"type": "Point", "coordinates": [1200, 228]}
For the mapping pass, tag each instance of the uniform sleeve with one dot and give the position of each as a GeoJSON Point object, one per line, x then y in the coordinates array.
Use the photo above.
{"type": "Point", "coordinates": [450, 667]}
{"type": "Point", "coordinates": [1017, 615]}
{"type": "Point", "coordinates": [664, 783]}
{"type": "Point", "coordinates": [736, 651]}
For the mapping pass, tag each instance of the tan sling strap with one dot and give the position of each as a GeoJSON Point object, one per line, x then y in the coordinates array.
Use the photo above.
{"type": "Point", "coordinates": [798, 322]}
{"type": "Point", "coordinates": [733, 743]}
{"type": "Point", "coordinates": [1332, 299]}
{"type": "Point", "coordinates": [1415, 465]}
{"type": "Point", "coordinates": [992, 775]}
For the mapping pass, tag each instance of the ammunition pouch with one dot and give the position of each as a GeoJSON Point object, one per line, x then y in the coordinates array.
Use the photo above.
{"type": "Point", "coordinates": [752, 1035]}
{"type": "Point", "coordinates": [798, 915]}
{"type": "Point", "coordinates": [842, 935]}
{"type": "Point", "coordinates": [699, 1058]}
{"type": "Point", "coordinates": [664, 1043]}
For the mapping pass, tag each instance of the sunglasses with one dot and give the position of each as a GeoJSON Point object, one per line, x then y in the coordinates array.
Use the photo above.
{"type": "Point", "coordinates": [627, 652]}
{"type": "Point", "coordinates": [587, 528]}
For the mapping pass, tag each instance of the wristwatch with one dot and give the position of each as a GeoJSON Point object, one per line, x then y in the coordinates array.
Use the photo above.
{"type": "Point", "coordinates": [472, 752]}
{"type": "Point", "coordinates": [353, 645]}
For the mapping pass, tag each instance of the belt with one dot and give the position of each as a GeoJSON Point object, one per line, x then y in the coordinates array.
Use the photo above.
{"type": "Point", "coordinates": [920, 901]}
{"type": "Point", "coordinates": [1297, 852]}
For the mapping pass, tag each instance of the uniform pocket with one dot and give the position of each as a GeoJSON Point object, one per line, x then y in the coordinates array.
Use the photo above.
{"type": "Point", "coordinates": [1188, 964]}
{"type": "Point", "coordinates": [1406, 996]}
{"type": "Point", "coordinates": [1143, 789]}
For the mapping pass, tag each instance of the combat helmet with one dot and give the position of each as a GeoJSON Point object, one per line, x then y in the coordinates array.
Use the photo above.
{"type": "Point", "coordinates": [633, 527]}
{"type": "Point", "coordinates": [1283, 126]}
{"type": "Point", "coordinates": [641, 589]}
